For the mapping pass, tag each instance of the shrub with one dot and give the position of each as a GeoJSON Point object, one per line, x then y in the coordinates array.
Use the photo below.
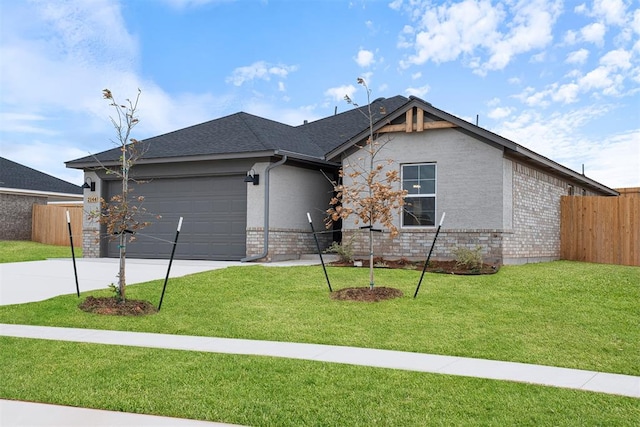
{"type": "Point", "coordinates": [343, 250]}
{"type": "Point", "coordinates": [468, 258]}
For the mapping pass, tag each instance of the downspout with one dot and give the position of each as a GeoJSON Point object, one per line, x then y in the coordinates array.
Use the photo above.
{"type": "Point", "coordinates": [265, 250]}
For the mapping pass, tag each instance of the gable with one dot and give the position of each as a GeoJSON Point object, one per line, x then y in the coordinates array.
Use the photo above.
{"type": "Point", "coordinates": [417, 116]}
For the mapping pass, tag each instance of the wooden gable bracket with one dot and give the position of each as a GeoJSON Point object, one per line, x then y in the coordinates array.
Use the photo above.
{"type": "Point", "coordinates": [419, 125]}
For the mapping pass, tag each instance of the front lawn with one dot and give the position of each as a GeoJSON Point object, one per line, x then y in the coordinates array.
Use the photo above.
{"type": "Point", "coordinates": [267, 391]}
{"type": "Point", "coordinates": [23, 250]}
{"type": "Point", "coordinates": [562, 313]}
{"type": "Point", "coordinates": [567, 314]}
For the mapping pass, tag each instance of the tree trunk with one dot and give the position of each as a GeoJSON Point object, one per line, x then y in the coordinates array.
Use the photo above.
{"type": "Point", "coordinates": [371, 257]}
{"type": "Point", "coordinates": [121, 272]}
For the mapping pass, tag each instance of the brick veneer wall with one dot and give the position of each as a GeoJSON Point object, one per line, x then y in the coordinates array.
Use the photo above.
{"type": "Point", "coordinates": [535, 235]}
{"type": "Point", "coordinates": [90, 244]}
{"type": "Point", "coordinates": [536, 216]}
{"type": "Point", "coordinates": [285, 243]}
{"type": "Point", "coordinates": [415, 245]}
{"type": "Point", "coordinates": [17, 213]}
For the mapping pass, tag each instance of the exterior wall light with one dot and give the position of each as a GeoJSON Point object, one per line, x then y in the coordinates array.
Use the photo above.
{"type": "Point", "coordinates": [252, 176]}
{"type": "Point", "coordinates": [89, 184]}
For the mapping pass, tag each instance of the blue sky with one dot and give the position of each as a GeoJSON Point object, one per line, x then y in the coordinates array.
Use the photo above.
{"type": "Point", "coordinates": [560, 78]}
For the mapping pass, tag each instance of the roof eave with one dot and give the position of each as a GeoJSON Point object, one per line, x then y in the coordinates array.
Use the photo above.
{"type": "Point", "coordinates": [307, 158]}
{"type": "Point", "coordinates": [42, 193]}
{"type": "Point", "coordinates": [161, 160]}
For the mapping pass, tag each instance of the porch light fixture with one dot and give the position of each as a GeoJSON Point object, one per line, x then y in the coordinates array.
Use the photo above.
{"type": "Point", "coordinates": [252, 176]}
{"type": "Point", "coordinates": [89, 184]}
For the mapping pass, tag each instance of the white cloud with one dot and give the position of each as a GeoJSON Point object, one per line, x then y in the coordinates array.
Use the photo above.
{"type": "Point", "coordinates": [338, 93]}
{"type": "Point", "coordinates": [184, 4]}
{"type": "Point", "coordinates": [260, 70]}
{"type": "Point", "coordinates": [566, 94]}
{"type": "Point", "coordinates": [500, 113]}
{"type": "Point", "coordinates": [53, 69]}
{"type": "Point", "coordinates": [420, 92]}
{"type": "Point", "coordinates": [395, 4]}
{"type": "Point", "coordinates": [364, 58]}
{"type": "Point", "coordinates": [581, 8]}
{"type": "Point", "coordinates": [611, 11]}
{"type": "Point", "coordinates": [594, 33]}
{"type": "Point", "coordinates": [578, 57]}
{"type": "Point", "coordinates": [570, 37]}
{"type": "Point", "coordinates": [539, 57]}
{"type": "Point", "coordinates": [416, 76]}
{"type": "Point", "coordinates": [611, 160]}
{"type": "Point", "coordinates": [449, 31]}
{"type": "Point", "coordinates": [617, 59]}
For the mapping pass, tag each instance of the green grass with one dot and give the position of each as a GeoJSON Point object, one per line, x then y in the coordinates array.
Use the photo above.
{"type": "Point", "coordinates": [22, 250]}
{"type": "Point", "coordinates": [265, 391]}
{"type": "Point", "coordinates": [567, 314]}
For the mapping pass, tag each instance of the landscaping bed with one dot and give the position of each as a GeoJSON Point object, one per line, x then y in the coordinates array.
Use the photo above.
{"type": "Point", "coordinates": [446, 267]}
{"type": "Point", "coordinates": [114, 306]}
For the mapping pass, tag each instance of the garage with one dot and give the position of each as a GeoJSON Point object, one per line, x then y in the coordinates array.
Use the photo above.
{"type": "Point", "coordinates": [214, 209]}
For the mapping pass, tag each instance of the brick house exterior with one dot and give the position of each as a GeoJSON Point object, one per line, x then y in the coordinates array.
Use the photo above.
{"type": "Point", "coordinates": [22, 187]}
{"type": "Point", "coordinates": [496, 194]}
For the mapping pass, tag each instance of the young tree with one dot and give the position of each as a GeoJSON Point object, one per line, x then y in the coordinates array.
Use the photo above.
{"type": "Point", "coordinates": [120, 214]}
{"type": "Point", "coordinates": [369, 192]}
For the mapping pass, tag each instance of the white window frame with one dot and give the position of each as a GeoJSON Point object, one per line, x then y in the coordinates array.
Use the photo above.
{"type": "Point", "coordinates": [421, 195]}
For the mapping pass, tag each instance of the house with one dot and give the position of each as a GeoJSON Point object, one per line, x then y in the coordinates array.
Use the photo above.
{"type": "Point", "coordinates": [235, 177]}
{"type": "Point", "coordinates": [22, 187]}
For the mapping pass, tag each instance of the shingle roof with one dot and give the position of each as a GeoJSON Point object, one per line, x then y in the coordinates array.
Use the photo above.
{"type": "Point", "coordinates": [330, 132]}
{"type": "Point", "coordinates": [319, 141]}
{"type": "Point", "coordinates": [246, 133]}
{"type": "Point", "coordinates": [15, 175]}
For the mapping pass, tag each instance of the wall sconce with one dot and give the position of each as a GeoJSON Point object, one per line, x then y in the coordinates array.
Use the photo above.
{"type": "Point", "coordinates": [252, 176]}
{"type": "Point", "coordinates": [89, 184]}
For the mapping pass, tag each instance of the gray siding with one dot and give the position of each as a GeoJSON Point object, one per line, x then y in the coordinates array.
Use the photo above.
{"type": "Point", "coordinates": [469, 175]}
{"type": "Point", "coordinates": [293, 192]}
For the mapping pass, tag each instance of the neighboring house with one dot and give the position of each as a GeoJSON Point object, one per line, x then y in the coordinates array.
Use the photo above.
{"type": "Point", "coordinates": [22, 187]}
{"type": "Point", "coordinates": [496, 193]}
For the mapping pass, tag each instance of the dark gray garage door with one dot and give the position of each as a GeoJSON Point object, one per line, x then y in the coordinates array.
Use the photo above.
{"type": "Point", "coordinates": [214, 211]}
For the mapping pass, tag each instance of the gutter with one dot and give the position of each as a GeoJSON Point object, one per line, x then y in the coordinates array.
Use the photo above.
{"type": "Point", "coordinates": [265, 232]}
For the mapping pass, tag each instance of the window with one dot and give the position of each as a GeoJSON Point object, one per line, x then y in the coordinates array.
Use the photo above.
{"type": "Point", "coordinates": [420, 202]}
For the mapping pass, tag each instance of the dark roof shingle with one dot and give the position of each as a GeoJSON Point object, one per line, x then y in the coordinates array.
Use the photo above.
{"type": "Point", "coordinates": [246, 133]}
{"type": "Point", "coordinates": [15, 175]}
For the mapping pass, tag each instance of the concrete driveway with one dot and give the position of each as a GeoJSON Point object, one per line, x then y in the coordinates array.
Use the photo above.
{"type": "Point", "coordinates": [22, 282]}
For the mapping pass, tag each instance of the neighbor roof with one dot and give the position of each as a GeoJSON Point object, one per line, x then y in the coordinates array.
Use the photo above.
{"type": "Point", "coordinates": [16, 176]}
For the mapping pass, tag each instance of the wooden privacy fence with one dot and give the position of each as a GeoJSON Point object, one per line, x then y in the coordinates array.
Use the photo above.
{"type": "Point", "coordinates": [49, 224]}
{"type": "Point", "coordinates": [600, 229]}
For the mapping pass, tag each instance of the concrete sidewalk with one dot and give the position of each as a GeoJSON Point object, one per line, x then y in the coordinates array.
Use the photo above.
{"type": "Point", "coordinates": [624, 385]}
{"type": "Point", "coordinates": [14, 413]}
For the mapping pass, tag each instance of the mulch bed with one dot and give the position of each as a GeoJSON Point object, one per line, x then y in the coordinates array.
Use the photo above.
{"type": "Point", "coordinates": [380, 293]}
{"type": "Point", "coordinates": [446, 267]}
{"type": "Point", "coordinates": [366, 294]}
{"type": "Point", "coordinates": [113, 306]}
